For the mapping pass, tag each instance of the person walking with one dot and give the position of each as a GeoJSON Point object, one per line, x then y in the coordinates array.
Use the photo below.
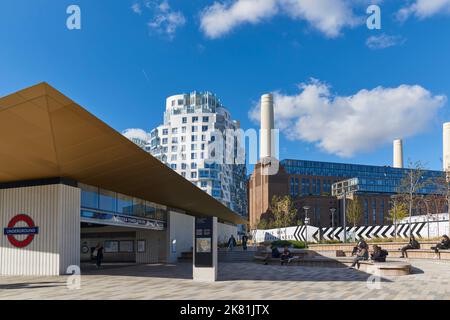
{"type": "Point", "coordinates": [99, 255]}
{"type": "Point", "coordinates": [231, 243]}
{"type": "Point", "coordinates": [244, 242]}
{"type": "Point", "coordinates": [413, 244]}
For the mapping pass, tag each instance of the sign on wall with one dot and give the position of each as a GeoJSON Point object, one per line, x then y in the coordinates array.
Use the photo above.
{"type": "Point", "coordinates": [29, 230]}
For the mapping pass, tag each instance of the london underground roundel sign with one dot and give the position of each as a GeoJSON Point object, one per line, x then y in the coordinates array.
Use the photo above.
{"type": "Point", "coordinates": [30, 230]}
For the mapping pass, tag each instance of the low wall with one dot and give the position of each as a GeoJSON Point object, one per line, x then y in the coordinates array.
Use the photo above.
{"type": "Point", "coordinates": [314, 234]}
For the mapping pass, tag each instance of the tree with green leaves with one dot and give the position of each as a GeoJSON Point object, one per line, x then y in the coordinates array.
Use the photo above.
{"type": "Point", "coordinates": [283, 211]}
{"type": "Point", "coordinates": [398, 211]}
{"type": "Point", "coordinates": [354, 211]}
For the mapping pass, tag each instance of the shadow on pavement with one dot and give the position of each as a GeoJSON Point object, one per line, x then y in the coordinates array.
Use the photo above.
{"type": "Point", "coordinates": [295, 273]}
{"type": "Point", "coordinates": [31, 285]}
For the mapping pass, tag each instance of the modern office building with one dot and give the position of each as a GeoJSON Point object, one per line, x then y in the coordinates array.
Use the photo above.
{"type": "Point", "coordinates": [69, 181]}
{"type": "Point", "coordinates": [309, 183]}
{"type": "Point", "coordinates": [186, 143]}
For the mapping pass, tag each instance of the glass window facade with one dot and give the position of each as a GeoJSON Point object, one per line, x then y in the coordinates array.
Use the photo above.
{"type": "Point", "coordinates": [100, 201]}
{"type": "Point", "coordinates": [377, 179]}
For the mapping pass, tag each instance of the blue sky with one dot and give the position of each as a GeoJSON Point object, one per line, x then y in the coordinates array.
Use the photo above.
{"type": "Point", "coordinates": [124, 62]}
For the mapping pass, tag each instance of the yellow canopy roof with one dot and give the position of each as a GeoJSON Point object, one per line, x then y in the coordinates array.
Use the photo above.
{"type": "Point", "coordinates": [44, 134]}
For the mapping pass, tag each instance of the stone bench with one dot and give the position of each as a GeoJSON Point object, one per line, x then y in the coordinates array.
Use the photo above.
{"type": "Point", "coordinates": [388, 268]}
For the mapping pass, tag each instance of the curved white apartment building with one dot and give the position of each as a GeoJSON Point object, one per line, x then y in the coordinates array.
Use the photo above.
{"type": "Point", "coordinates": [185, 142]}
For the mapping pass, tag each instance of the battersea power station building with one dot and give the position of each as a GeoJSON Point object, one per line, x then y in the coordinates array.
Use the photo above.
{"type": "Point", "coordinates": [309, 183]}
{"type": "Point", "coordinates": [68, 181]}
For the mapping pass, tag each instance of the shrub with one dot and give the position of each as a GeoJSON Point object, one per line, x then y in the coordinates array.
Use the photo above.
{"type": "Point", "coordinates": [289, 243]}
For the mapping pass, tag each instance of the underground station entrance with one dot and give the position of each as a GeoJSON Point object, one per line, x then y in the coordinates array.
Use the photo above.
{"type": "Point", "coordinates": [121, 244]}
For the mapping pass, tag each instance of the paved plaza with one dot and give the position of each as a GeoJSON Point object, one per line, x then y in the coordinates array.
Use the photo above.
{"type": "Point", "coordinates": [430, 280]}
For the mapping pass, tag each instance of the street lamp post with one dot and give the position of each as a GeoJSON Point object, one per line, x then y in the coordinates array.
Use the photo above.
{"type": "Point", "coordinates": [333, 211]}
{"type": "Point", "coordinates": [344, 224]}
{"type": "Point", "coordinates": [447, 178]}
{"type": "Point", "coordinates": [306, 208]}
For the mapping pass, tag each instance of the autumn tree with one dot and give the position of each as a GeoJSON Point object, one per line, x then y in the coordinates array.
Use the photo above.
{"type": "Point", "coordinates": [283, 211]}
{"type": "Point", "coordinates": [354, 211]}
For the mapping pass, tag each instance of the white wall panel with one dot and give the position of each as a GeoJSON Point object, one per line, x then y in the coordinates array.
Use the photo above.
{"type": "Point", "coordinates": [55, 210]}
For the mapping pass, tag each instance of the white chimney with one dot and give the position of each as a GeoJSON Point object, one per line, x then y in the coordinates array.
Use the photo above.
{"type": "Point", "coordinates": [446, 146]}
{"type": "Point", "coordinates": [267, 125]}
{"type": "Point", "coordinates": [398, 153]}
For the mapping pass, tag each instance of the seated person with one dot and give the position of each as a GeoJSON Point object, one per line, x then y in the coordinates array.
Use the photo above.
{"type": "Point", "coordinates": [274, 254]}
{"type": "Point", "coordinates": [413, 244]}
{"type": "Point", "coordinates": [361, 244]}
{"type": "Point", "coordinates": [286, 255]}
{"type": "Point", "coordinates": [443, 245]}
{"type": "Point", "coordinates": [378, 255]}
{"type": "Point", "coordinates": [361, 254]}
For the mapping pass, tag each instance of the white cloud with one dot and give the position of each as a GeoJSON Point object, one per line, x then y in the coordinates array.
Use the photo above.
{"type": "Point", "coordinates": [167, 22]}
{"type": "Point", "coordinates": [163, 19]}
{"type": "Point", "coordinates": [136, 133]}
{"type": "Point", "coordinates": [424, 9]}
{"type": "Point", "coordinates": [346, 125]}
{"type": "Point", "coordinates": [220, 18]}
{"type": "Point", "coordinates": [384, 41]}
{"type": "Point", "coordinates": [327, 16]}
{"type": "Point", "coordinates": [136, 8]}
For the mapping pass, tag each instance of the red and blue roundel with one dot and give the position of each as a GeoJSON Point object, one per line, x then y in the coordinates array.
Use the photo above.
{"type": "Point", "coordinates": [12, 231]}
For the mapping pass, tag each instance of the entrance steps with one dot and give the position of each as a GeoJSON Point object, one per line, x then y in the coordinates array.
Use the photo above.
{"type": "Point", "coordinates": [224, 256]}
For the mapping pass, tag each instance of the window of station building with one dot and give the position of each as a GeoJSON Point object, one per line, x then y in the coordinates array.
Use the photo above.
{"type": "Point", "coordinates": [194, 119]}
{"type": "Point", "coordinates": [174, 139]}
{"type": "Point", "coordinates": [193, 165]}
{"type": "Point", "coordinates": [174, 130]}
{"type": "Point", "coordinates": [174, 148]}
{"type": "Point", "coordinates": [164, 141]}
{"type": "Point", "coordinates": [183, 174]}
{"type": "Point", "coordinates": [161, 213]}
{"type": "Point", "coordinates": [382, 211]}
{"type": "Point", "coordinates": [204, 128]}
{"type": "Point", "coordinates": [173, 157]}
{"type": "Point", "coordinates": [194, 175]}
{"type": "Point", "coordinates": [183, 129]}
{"type": "Point", "coordinates": [165, 132]}
{"type": "Point", "coordinates": [193, 138]}
{"type": "Point", "coordinates": [124, 204]}
{"type": "Point", "coordinates": [183, 166]}
{"type": "Point", "coordinates": [193, 146]}
{"type": "Point", "coordinates": [184, 120]}
{"type": "Point", "coordinates": [107, 200]}
{"type": "Point", "coordinates": [193, 156]}
{"type": "Point", "coordinates": [183, 138]}
{"type": "Point", "coordinates": [194, 129]}
{"type": "Point", "coordinates": [203, 146]}
{"type": "Point", "coordinates": [173, 166]}
{"type": "Point", "coordinates": [203, 137]}
{"type": "Point", "coordinates": [205, 119]}
{"type": "Point", "coordinates": [204, 184]}
{"type": "Point", "coordinates": [89, 196]}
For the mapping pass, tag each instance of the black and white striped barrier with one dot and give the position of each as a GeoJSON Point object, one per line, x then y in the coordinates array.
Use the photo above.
{"type": "Point", "coordinates": [314, 234]}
